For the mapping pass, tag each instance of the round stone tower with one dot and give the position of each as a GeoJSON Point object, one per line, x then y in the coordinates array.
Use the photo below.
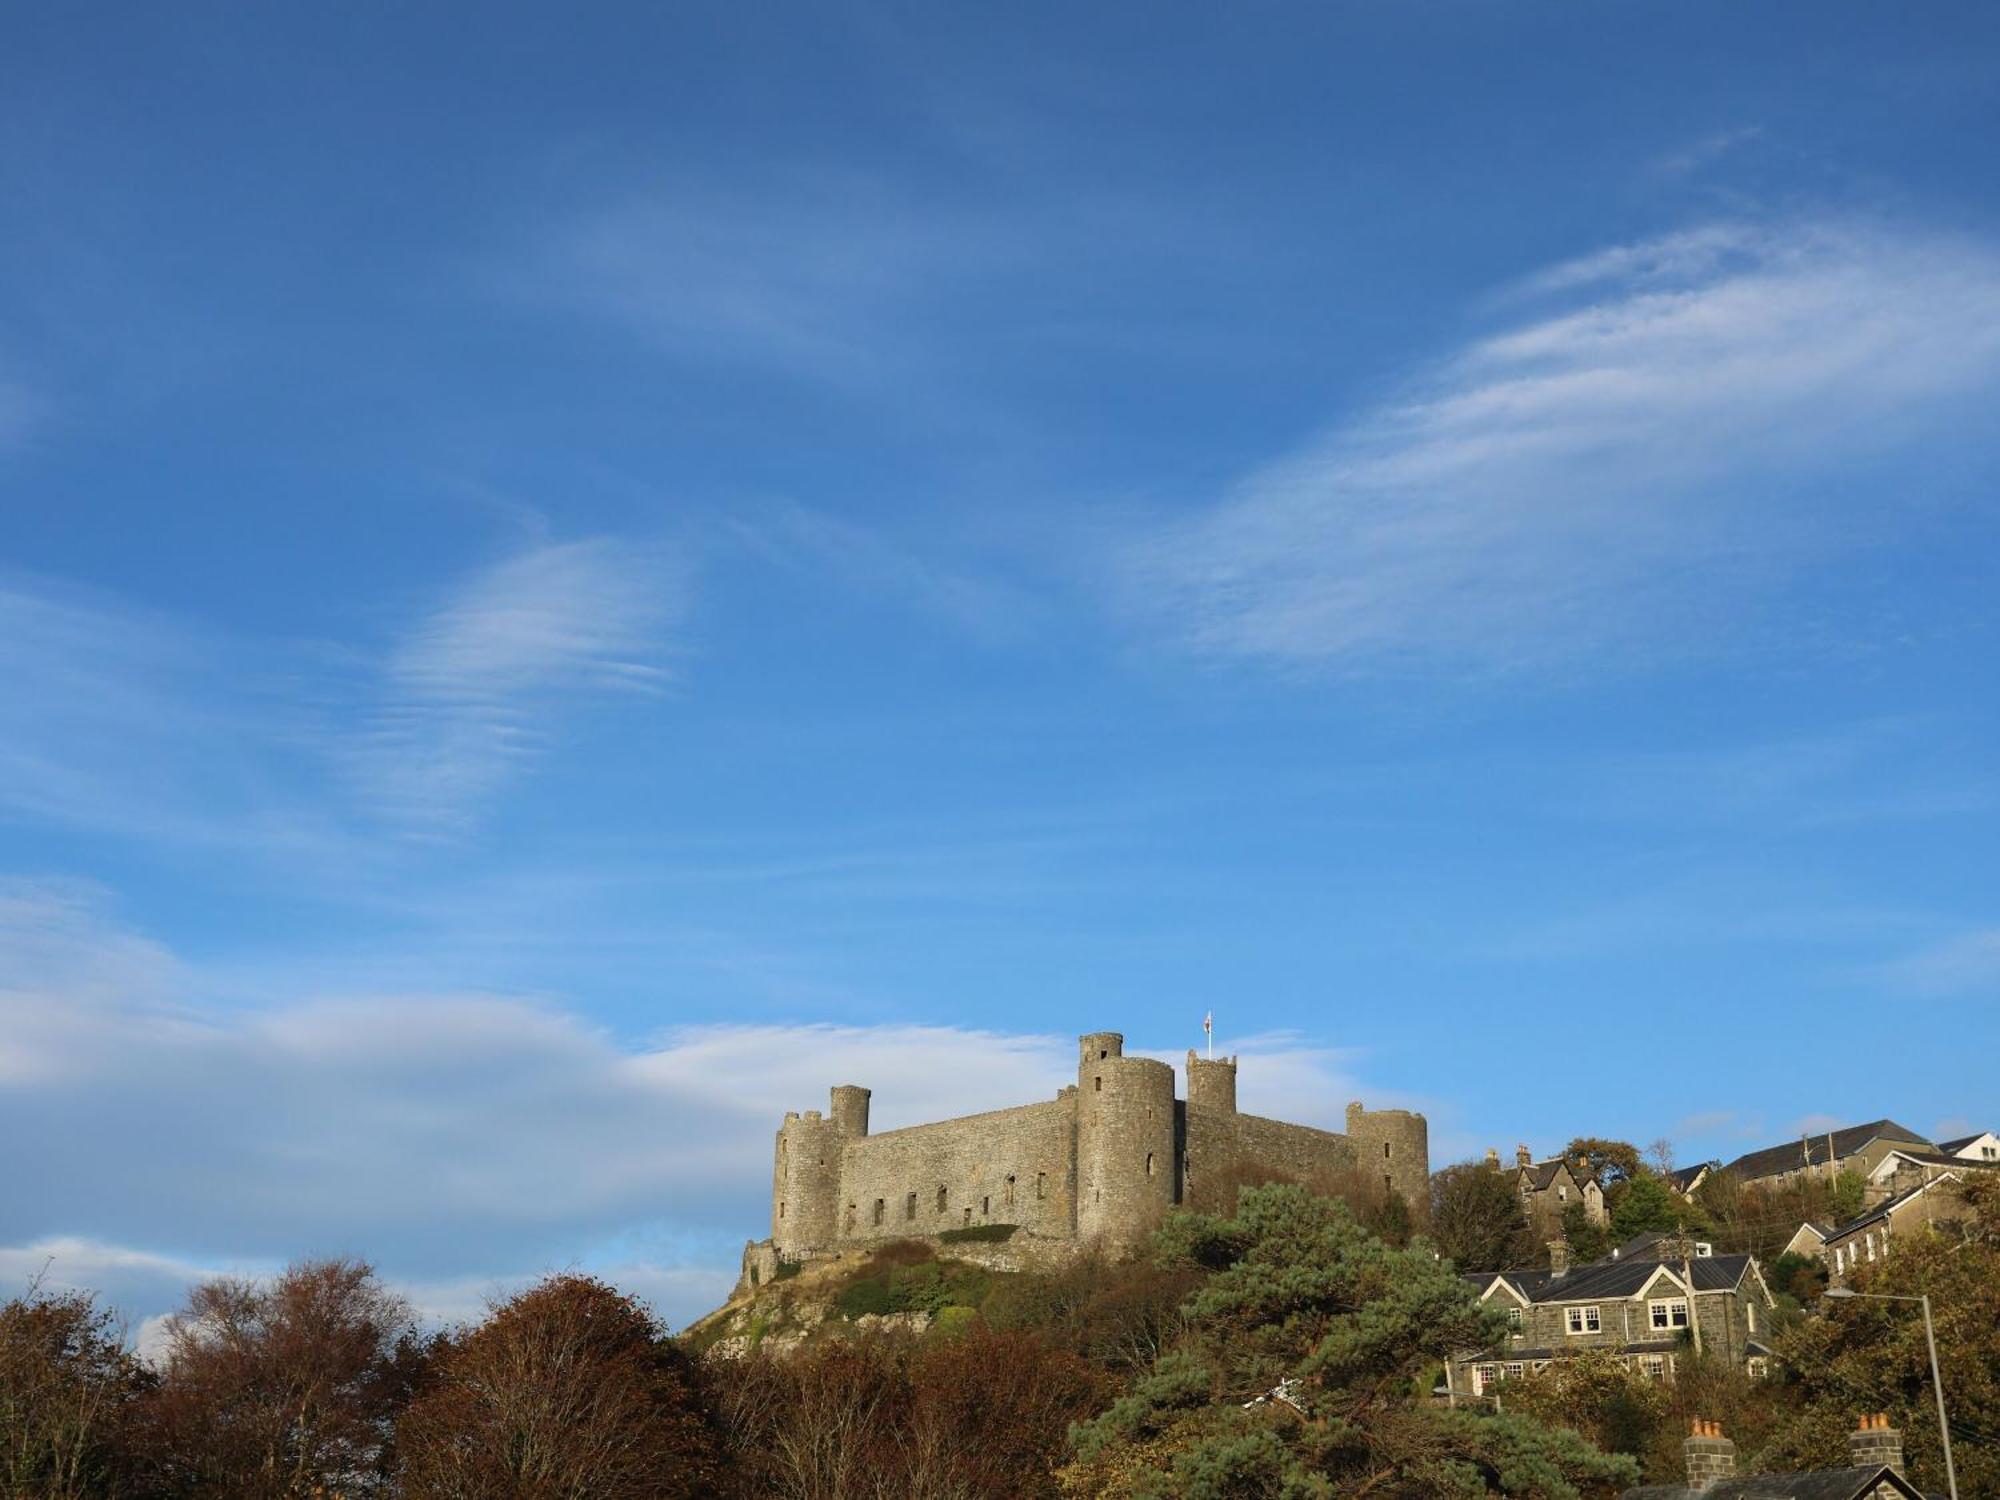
{"type": "Point", "coordinates": [1394, 1144]}
{"type": "Point", "coordinates": [805, 1184]}
{"type": "Point", "coordinates": [1211, 1082]}
{"type": "Point", "coordinates": [1125, 1166]}
{"type": "Point", "coordinates": [850, 1109]}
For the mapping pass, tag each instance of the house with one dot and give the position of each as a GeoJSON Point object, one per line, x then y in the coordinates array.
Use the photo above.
{"type": "Point", "coordinates": [1809, 1239]}
{"type": "Point", "coordinates": [1647, 1308]}
{"type": "Point", "coordinates": [1684, 1180]}
{"type": "Point", "coordinates": [1906, 1167]}
{"type": "Point", "coordinates": [1984, 1147]}
{"type": "Point", "coordinates": [1857, 1148]}
{"type": "Point", "coordinates": [1548, 1188]}
{"type": "Point", "coordinates": [1934, 1201]}
{"type": "Point", "coordinates": [1710, 1459]}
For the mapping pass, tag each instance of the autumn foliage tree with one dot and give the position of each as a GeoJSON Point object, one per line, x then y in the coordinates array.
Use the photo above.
{"type": "Point", "coordinates": [571, 1391]}
{"type": "Point", "coordinates": [67, 1385]}
{"type": "Point", "coordinates": [284, 1389]}
{"type": "Point", "coordinates": [1476, 1218]}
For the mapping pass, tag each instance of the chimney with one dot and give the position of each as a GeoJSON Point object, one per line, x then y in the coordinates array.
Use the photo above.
{"type": "Point", "coordinates": [1876, 1445]}
{"type": "Point", "coordinates": [1492, 1158]}
{"type": "Point", "coordinates": [1523, 1157]}
{"type": "Point", "coordinates": [1711, 1457]}
{"type": "Point", "coordinates": [1558, 1258]}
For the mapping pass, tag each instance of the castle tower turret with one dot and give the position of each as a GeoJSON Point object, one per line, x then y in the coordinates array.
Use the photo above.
{"type": "Point", "coordinates": [1125, 1166]}
{"type": "Point", "coordinates": [805, 1184]}
{"type": "Point", "coordinates": [1394, 1144]}
{"type": "Point", "coordinates": [1211, 1082]}
{"type": "Point", "coordinates": [850, 1109]}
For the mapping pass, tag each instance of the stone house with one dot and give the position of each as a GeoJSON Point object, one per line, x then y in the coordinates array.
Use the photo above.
{"type": "Point", "coordinates": [1645, 1308]}
{"type": "Point", "coordinates": [1548, 1188]}
{"type": "Point", "coordinates": [1876, 1473]}
{"type": "Point", "coordinates": [1856, 1148]}
{"type": "Point", "coordinates": [1903, 1169]}
{"type": "Point", "coordinates": [1685, 1180]}
{"type": "Point", "coordinates": [1934, 1201]}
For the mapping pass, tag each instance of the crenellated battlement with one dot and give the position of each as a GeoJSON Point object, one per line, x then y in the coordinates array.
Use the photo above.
{"type": "Point", "coordinates": [1102, 1163]}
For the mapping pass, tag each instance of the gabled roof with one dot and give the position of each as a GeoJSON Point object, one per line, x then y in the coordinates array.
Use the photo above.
{"type": "Point", "coordinates": [1888, 1206]}
{"type": "Point", "coordinates": [1926, 1158]}
{"type": "Point", "coordinates": [1652, 1245]}
{"type": "Point", "coordinates": [1826, 1484]}
{"type": "Point", "coordinates": [1684, 1180]}
{"type": "Point", "coordinates": [1541, 1174]}
{"type": "Point", "coordinates": [1812, 1150]}
{"type": "Point", "coordinates": [1952, 1148]}
{"type": "Point", "coordinates": [1612, 1279]}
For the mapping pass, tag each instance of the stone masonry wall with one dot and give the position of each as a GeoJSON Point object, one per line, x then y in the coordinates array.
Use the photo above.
{"type": "Point", "coordinates": [1010, 1166]}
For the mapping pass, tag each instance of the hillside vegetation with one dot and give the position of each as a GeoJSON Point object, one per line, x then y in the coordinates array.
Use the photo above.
{"type": "Point", "coordinates": [1284, 1350]}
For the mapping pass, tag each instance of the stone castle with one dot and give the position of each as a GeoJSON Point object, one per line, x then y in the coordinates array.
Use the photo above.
{"type": "Point", "coordinates": [1099, 1165]}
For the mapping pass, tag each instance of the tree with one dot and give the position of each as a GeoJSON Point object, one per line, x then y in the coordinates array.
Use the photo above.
{"type": "Point", "coordinates": [1605, 1162]}
{"type": "Point", "coordinates": [569, 1390]}
{"type": "Point", "coordinates": [284, 1389]}
{"type": "Point", "coordinates": [1477, 1220]}
{"type": "Point", "coordinates": [66, 1389]}
{"type": "Point", "coordinates": [1863, 1356]}
{"type": "Point", "coordinates": [1647, 1203]}
{"type": "Point", "coordinates": [1334, 1337]}
{"type": "Point", "coordinates": [1587, 1241]}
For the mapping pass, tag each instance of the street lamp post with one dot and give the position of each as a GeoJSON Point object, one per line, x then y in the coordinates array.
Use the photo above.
{"type": "Point", "coordinates": [1937, 1378]}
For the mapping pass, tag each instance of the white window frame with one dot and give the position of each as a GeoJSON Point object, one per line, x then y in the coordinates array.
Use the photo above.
{"type": "Point", "coordinates": [1513, 1370]}
{"type": "Point", "coordinates": [1514, 1318]}
{"type": "Point", "coordinates": [1484, 1376]}
{"type": "Point", "coordinates": [1660, 1314]}
{"type": "Point", "coordinates": [1653, 1366]}
{"type": "Point", "coordinates": [1582, 1320]}
{"type": "Point", "coordinates": [1757, 1367]}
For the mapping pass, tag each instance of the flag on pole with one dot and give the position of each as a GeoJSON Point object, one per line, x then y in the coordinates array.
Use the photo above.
{"type": "Point", "coordinates": [1208, 1030]}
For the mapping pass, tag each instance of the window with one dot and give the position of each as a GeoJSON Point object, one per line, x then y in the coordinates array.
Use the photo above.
{"type": "Point", "coordinates": [1750, 1315]}
{"type": "Point", "coordinates": [968, 1215]}
{"type": "Point", "coordinates": [1562, 1194]}
{"type": "Point", "coordinates": [1757, 1366]}
{"type": "Point", "coordinates": [1483, 1376]}
{"type": "Point", "coordinates": [1516, 1370]}
{"type": "Point", "coordinates": [985, 1207]}
{"type": "Point", "coordinates": [1149, 1164]}
{"type": "Point", "coordinates": [1008, 1196]}
{"type": "Point", "coordinates": [1669, 1314]}
{"type": "Point", "coordinates": [1514, 1318]}
{"type": "Point", "coordinates": [781, 1208]}
{"type": "Point", "coordinates": [1540, 1365]}
{"type": "Point", "coordinates": [1041, 1184]}
{"type": "Point", "coordinates": [1385, 1151]}
{"type": "Point", "coordinates": [850, 1216]}
{"type": "Point", "coordinates": [1871, 1244]}
{"type": "Point", "coordinates": [1097, 1084]}
{"type": "Point", "coordinates": [910, 1206]}
{"type": "Point", "coordinates": [879, 1206]}
{"type": "Point", "coordinates": [1653, 1366]}
{"type": "Point", "coordinates": [941, 1200]}
{"type": "Point", "coordinates": [1583, 1320]}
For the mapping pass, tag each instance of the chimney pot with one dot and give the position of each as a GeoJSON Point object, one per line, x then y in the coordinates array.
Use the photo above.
{"type": "Point", "coordinates": [1710, 1457]}
{"type": "Point", "coordinates": [1558, 1257]}
{"type": "Point", "coordinates": [1875, 1444]}
{"type": "Point", "coordinates": [1523, 1156]}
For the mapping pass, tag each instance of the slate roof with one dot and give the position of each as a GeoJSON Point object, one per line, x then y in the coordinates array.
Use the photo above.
{"type": "Point", "coordinates": [1542, 1173]}
{"type": "Point", "coordinates": [1680, 1177]}
{"type": "Point", "coordinates": [1942, 1158]}
{"type": "Point", "coordinates": [1826, 1484]}
{"type": "Point", "coordinates": [1886, 1207]}
{"type": "Point", "coordinates": [1618, 1278]}
{"type": "Point", "coordinates": [1952, 1148]}
{"type": "Point", "coordinates": [1812, 1151]}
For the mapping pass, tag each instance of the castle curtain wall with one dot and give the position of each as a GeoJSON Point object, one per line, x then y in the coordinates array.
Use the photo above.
{"type": "Point", "coordinates": [973, 1160]}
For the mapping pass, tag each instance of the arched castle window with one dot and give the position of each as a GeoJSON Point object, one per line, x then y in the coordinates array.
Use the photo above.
{"type": "Point", "coordinates": [1149, 1164]}
{"type": "Point", "coordinates": [985, 1207]}
{"type": "Point", "coordinates": [1098, 1084]}
{"type": "Point", "coordinates": [1041, 1184]}
{"type": "Point", "coordinates": [781, 1208]}
{"type": "Point", "coordinates": [879, 1206]}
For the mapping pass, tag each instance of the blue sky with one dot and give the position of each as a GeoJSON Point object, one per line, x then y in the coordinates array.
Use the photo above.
{"type": "Point", "coordinates": [567, 582]}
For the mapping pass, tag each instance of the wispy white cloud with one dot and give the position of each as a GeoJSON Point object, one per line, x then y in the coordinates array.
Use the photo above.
{"type": "Point", "coordinates": [868, 562]}
{"type": "Point", "coordinates": [1968, 964]}
{"type": "Point", "coordinates": [470, 691]}
{"type": "Point", "coordinates": [1584, 478]}
{"type": "Point", "coordinates": [1705, 150]}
